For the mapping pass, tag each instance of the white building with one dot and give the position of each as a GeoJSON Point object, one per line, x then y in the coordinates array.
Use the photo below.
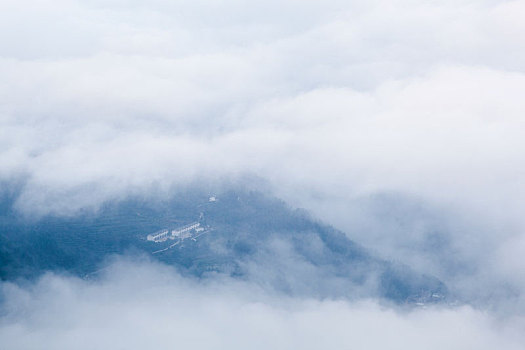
{"type": "Point", "coordinates": [185, 231]}
{"type": "Point", "coordinates": [159, 236]}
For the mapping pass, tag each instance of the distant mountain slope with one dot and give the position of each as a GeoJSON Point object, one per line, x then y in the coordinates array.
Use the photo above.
{"type": "Point", "coordinates": [248, 235]}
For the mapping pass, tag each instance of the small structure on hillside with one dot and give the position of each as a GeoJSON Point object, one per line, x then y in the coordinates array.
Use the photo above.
{"type": "Point", "coordinates": [192, 230]}
{"type": "Point", "coordinates": [159, 236]}
{"type": "Point", "coordinates": [185, 231]}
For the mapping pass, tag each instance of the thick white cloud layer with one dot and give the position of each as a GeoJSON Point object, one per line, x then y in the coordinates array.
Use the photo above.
{"type": "Point", "coordinates": [142, 306]}
{"type": "Point", "coordinates": [341, 97]}
{"type": "Point", "coordinates": [331, 102]}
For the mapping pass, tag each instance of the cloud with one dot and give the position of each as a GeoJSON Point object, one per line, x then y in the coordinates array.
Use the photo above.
{"type": "Point", "coordinates": [138, 305]}
{"type": "Point", "coordinates": [334, 104]}
{"type": "Point", "coordinates": [418, 98]}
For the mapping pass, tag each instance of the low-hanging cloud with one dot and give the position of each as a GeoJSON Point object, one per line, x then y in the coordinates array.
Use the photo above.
{"type": "Point", "coordinates": [139, 305]}
{"type": "Point", "coordinates": [354, 97]}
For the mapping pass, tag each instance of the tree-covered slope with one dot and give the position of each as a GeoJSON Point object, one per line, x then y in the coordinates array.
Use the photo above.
{"type": "Point", "coordinates": [248, 236]}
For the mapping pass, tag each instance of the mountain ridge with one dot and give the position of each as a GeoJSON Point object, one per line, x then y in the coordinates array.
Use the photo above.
{"type": "Point", "coordinates": [252, 236]}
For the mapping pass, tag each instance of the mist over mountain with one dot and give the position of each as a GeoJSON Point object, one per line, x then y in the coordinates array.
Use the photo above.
{"type": "Point", "coordinates": [266, 174]}
{"type": "Point", "coordinates": [246, 235]}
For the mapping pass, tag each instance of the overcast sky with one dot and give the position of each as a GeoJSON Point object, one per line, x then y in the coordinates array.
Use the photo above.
{"type": "Point", "coordinates": [346, 108]}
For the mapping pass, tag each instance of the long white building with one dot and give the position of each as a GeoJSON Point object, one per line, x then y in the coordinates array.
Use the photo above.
{"type": "Point", "coordinates": [159, 236]}
{"type": "Point", "coordinates": [185, 231]}
{"type": "Point", "coordinates": [178, 233]}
